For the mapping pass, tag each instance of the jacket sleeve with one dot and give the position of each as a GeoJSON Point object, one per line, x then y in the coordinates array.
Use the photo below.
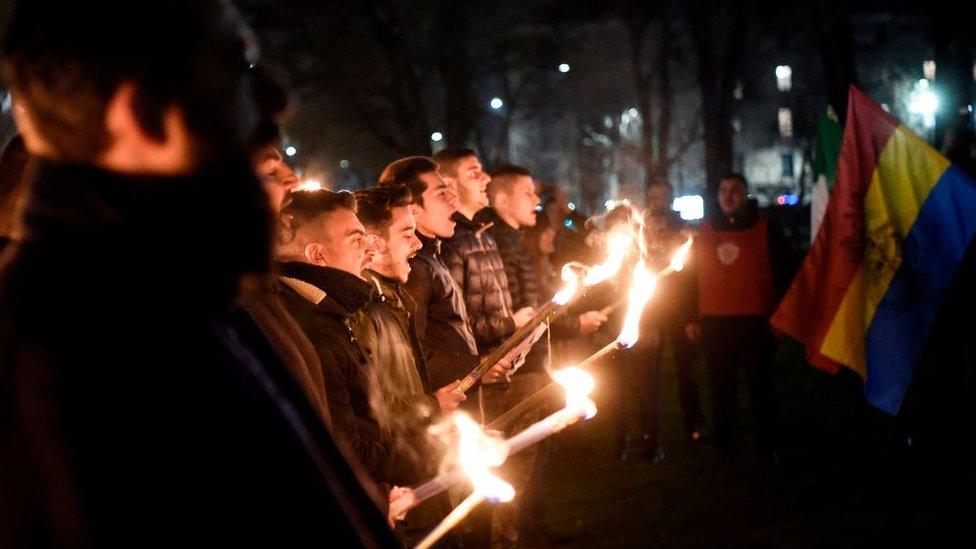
{"type": "Point", "coordinates": [489, 327]}
{"type": "Point", "coordinates": [412, 406]}
{"type": "Point", "coordinates": [445, 366]}
{"type": "Point", "coordinates": [566, 326]}
{"type": "Point", "coordinates": [420, 284]}
{"type": "Point", "coordinates": [377, 452]}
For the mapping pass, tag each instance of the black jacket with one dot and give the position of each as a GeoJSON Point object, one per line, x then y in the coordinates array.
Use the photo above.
{"type": "Point", "coordinates": [127, 404]}
{"type": "Point", "coordinates": [401, 368]}
{"type": "Point", "coordinates": [472, 258]}
{"type": "Point", "coordinates": [270, 332]}
{"type": "Point", "coordinates": [523, 278]}
{"type": "Point", "coordinates": [441, 320]}
{"type": "Point", "coordinates": [330, 305]}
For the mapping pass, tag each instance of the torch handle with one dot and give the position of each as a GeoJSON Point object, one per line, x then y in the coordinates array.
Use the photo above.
{"type": "Point", "coordinates": [433, 487]}
{"type": "Point", "coordinates": [547, 393]}
{"type": "Point", "coordinates": [501, 423]}
{"type": "Point", "coordinates": [513, 341]}
{"type": "Point", "coordinates": [535, 433]}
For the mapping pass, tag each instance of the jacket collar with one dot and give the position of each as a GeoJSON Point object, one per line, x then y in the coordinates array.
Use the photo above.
{"type": "Point", "coordinates": [200, 241]}
{"type": "Point", "coordinates": [470, 225]}
{"type": "Point", "coordinates": [430, 246]}
{"type": "Point", "coordinates": [315, 283]}
{"type": "Point", "coordinates": [390, 290]}
{"type": "Point", "coordinates": [743, 220]}
{"type": "Point", "coordinates": [489, 218]}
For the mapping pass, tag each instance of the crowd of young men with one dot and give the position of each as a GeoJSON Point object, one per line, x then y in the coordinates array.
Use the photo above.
{"type": "Point", "coordinates": [190, 345]}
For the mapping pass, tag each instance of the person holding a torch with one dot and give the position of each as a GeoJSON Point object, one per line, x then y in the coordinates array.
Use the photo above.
{"type": "Point", "coordinates": [512, 210]}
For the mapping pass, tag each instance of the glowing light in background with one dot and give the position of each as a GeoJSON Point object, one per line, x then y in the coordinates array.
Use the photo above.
{"type": "Point", "coordinates": [689, 207]}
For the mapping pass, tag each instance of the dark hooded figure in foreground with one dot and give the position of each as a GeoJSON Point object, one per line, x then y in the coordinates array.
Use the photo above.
{"type": "Point", "coordinates": [130, 414]}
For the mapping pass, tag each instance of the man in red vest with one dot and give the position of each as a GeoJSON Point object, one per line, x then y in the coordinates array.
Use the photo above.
{"type": "Point", "coordinates": [742, 263]}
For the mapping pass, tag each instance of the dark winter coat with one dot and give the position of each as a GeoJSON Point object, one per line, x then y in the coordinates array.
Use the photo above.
{"type": "Point", "coordinates": [330, 305]}
{"type": "Point", "coordinates": [401, 369]}
{"type": "Point", "coordinates": [472, 257]}
{"type": "Point", "coordinates": [267, 328]}
{"type": "Point", "coordinates": [127, 404]}
{"type": "Point", "coordinates": [442, 325]}
{"type": "Point", "coordinates": [523, 278]}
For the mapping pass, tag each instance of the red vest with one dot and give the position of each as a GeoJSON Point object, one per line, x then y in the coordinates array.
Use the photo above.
{"type": "Point", "coordinates": [734, 274]}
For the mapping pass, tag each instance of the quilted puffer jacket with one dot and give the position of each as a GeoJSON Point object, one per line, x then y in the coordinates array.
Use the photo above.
{"type": "Point", "coordinates": [473, 259]}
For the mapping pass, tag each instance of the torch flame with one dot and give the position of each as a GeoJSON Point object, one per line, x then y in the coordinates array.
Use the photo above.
{"type": "Point", "coordinates": [564, 295]}
{"type": "Point", "coordinates": [578, 385]}
{"type": "Point", "coordinates": [617, 250]}
{"type": "Point", "coordinates": [641, 288]}
{"type": "Point", "coordinates": [478, 452]}
{"type": "Point", "coordinates": [309, 185]}
{"type": "Point", "coordinates": [680, 256]}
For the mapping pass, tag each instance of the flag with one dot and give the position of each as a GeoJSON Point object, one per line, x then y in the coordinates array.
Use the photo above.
{"type": "Point", "coordinates": [898, 221]}
{"type": "Point", "coordinates": [825, 154]}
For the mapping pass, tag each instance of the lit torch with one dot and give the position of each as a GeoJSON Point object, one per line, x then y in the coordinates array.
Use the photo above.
{"type": "Point", "coordinates": [578, 386]}
{"type": "Point", "coordinates": [308, 185]}
{"type": "Point", "coordinates": [679, 259]}
{"type": "Point", "coordinates": [479, 452]}
{"type": "Point", "coordinates": [619, 247]}
{"type": "Point", "coordinates": [642, 288]}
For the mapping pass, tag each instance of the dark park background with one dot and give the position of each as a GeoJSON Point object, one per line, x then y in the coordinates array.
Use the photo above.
{"type": "Point", "coordinates": [604, 97]}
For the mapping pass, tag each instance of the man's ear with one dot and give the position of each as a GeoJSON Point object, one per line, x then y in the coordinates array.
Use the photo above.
{"type": "Point", "coordinates": [133, 149]}
{"type": "Point", "coordinates": [498, 200]}
{"type": "Point", "coordinates": [315, 254]}
{"type": "Point", "coordinates": [375, 243]}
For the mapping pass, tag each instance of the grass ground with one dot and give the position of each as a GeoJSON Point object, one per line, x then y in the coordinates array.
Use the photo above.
{"type": "Point", "coordinates": [846, 479]}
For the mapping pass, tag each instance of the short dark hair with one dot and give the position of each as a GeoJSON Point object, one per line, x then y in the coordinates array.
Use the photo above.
{"type": "Point", "coordinates": [66, 60]}
{"type": "Point", "coordinates": [738, 177]}
{"type": "Point", "coordinates": [447, 159]}
{"type": "Point", "coordinates": [375, 206]}
{"type": "Point", "coordinates": [407, 172]}
{"type": "Point", "coordinates": [509, 170]}
{"type": "Point", "coordinates": [304, 207]}
{"type": "Point", "coordinates": [503, 176]}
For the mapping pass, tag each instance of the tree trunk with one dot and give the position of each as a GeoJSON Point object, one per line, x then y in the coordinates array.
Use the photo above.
{"type": "Point", "coordinates": [455, 67]}
{"type": "Point", "coordinates": [953, 82]}
{"type": "Point", "coordinates": [642, 87]}
{"type": "Point", "coordinates": [665, 100]}
{"type": "Point", "coordinates": [835, 41]}
{"type": "Point", "coordinates": [717, 72]}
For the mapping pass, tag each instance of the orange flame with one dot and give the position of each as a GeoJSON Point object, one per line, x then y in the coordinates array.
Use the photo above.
{"type": "Point", "coordinates": [578, 385]}
{"type": "Point", "coordinates": [641, 288]}
{"type": "Point", "coordinates": [564, 295]}
{"type": "Point", "coordinates": [680, 256]}
{"type": "Point", "coordinates": [479, 452]}
{"type": "Point", "coordinates": [619, 246]}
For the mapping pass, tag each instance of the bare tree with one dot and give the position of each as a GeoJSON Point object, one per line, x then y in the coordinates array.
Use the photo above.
{"type": "Point", "coordinates": [718, 31]}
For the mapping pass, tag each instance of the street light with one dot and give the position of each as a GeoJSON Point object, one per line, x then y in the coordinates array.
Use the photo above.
{"type": "Point", "coordinates": [924, 102]}
{"type": "Point", "coordinates": [563, 68]}
{"type": "Point", "coordinates": [496, 103]}
{"type": "Point", "coordinates": [291, 151]}
{"type": "Point", "coordinates": [436, 137]}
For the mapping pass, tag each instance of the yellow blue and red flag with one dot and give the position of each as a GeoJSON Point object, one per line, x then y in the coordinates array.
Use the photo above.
{"type": "Point", "coordinates": [898, 222]}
